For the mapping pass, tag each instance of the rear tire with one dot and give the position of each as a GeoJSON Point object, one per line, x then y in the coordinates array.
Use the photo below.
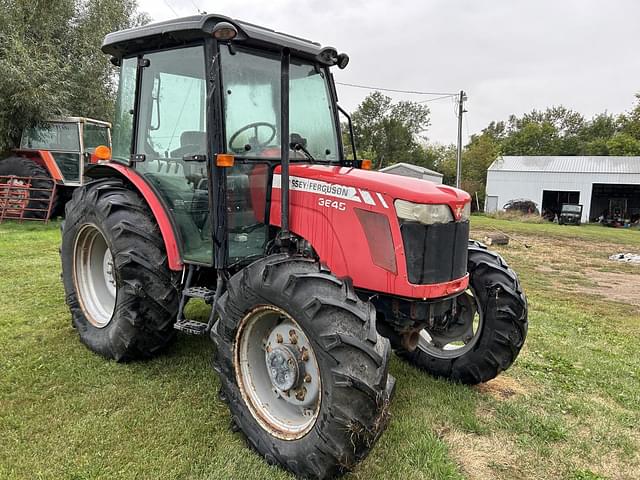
{"type": "Point", "coordinates": [352, 361]}
{"type": "Point", "coordinates": [503, 327]}
{"type": "Point", "coordinates": [25, 167]}
{"type": "Point", "coordinates": [122, 296]}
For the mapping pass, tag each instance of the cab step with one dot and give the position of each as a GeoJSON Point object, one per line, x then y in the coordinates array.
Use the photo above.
{"type": "Point", "coordinates": [190, 327]}
{"type": "Point", "coordinates": [203, 293]}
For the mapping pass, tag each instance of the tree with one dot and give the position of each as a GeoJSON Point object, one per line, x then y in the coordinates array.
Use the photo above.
{"type": "Point", "coordinates": [388, 131]}
{"type": "Point", "coordinates": [51, 61]}
{"type": "Point", "coordinates": [554, 131]}
{"type": "Point", "coordinates": [630, 123]}
{"type": "Point", "coordinates": [623, 143]}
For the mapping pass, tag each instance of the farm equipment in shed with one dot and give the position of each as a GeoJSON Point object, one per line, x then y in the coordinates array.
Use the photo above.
{"type": "Point", "coordinates": [570, 214]}
{"type": "Point", "coordinates": [228, 183]}
{"type": "Point", "coordinates": [53, 155]}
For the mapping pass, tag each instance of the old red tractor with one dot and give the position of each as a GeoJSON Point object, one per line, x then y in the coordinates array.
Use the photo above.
{"type": "Point", "coordinates": [229, 183]}
{"type": "Point", "coordinates": [57, 151]}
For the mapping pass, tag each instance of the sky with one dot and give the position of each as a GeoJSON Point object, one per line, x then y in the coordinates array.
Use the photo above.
{"type": "Point", "coordinates": [509, 56]}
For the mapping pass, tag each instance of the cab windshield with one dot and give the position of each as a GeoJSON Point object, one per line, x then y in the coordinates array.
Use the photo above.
{"type": "Point", "coordinates": [251, 85]}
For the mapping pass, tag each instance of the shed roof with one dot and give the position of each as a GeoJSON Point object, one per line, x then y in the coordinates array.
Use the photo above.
{"type": "Point", "coordinates": [567, 164]}
{"type": "Point", "coordinates": [415, 168]}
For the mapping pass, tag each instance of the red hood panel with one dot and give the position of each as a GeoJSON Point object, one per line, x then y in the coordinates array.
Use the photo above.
{"type": "Point", "coordinates": [395, 186]}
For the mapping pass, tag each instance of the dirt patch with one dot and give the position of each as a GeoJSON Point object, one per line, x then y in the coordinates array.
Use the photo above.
{"type": "Point", "coordinates": [502, 387]}
{"type": "Point", "coordinates": [483, 457]}
{"type": "Point", "coordinates": [620, 287]}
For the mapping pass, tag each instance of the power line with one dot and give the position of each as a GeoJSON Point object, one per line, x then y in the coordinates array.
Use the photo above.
{"type": "Point", "coordinates": [171, 8]}
{"type": "Point", "coordinates": [437, 98]}
{"type": "Point", "coordinates": [413, 92]}
{"type": "Point", "coordinates": [198, 9]}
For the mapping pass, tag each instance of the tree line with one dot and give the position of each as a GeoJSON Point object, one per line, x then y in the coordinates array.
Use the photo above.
{"type": "Point", "coordinates": [389, 132]}
{"type": "Point", "coordinates": [51, 63]}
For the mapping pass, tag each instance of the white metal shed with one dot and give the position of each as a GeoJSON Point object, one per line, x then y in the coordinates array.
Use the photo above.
{"type": "Point", "coordinates": [414, 171]}
{"type": "Point", "coordinates": [549, 181]}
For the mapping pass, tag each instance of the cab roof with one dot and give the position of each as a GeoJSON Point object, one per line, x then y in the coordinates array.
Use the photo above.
{"type": "Point", "coordinates": [185, 30]}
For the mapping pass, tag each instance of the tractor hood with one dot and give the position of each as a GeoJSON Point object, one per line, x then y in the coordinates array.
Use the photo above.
{"type": "Point", "coordinates": [365, 184]}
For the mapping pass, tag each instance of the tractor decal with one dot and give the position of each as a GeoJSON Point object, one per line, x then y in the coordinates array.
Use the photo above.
{"type": "Point", "coordinates": [358, 195]}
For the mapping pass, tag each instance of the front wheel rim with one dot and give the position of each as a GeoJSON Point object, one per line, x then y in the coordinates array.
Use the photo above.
{"type": "Point", "coordinates": [277, 372]}
{"type": "Point", "coordinates": [94, 276]}
{"type": "Point", "coordinates": [448, 345]}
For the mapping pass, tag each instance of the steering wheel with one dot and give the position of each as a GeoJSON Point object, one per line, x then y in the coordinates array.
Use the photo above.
{"type": "Point", "coordinates": [254, 142]}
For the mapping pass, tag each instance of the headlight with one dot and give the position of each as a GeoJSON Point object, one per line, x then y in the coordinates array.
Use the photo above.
{"type": "Point", "coordinates": [466, 212]}
{"type": "Point", "coordinates": [427, 214]}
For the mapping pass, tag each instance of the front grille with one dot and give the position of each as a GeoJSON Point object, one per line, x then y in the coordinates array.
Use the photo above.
{"type": "Point", "coordinates": [435, 253]}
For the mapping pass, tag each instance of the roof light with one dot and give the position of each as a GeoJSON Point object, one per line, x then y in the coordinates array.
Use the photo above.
{"type": "Point", "coordinates": [102, 152]}
{"type": "Point", "coordinates": [224, 31]}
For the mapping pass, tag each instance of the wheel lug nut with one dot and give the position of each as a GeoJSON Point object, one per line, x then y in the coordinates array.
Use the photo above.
{"type": "Point", "coordinates": [307, 378]}
{"type": "Point", "coordinates": [279, 338]}
{"type": "Point", "coordinates": [300, 394]}
{"type": "Point", "coordinates": [304, 354]}
{"type": "Point", "coordinates": [293, 336]}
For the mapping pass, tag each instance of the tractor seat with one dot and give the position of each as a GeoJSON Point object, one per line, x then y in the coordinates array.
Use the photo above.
{"type": "Point", "coordinates": [191, 143]}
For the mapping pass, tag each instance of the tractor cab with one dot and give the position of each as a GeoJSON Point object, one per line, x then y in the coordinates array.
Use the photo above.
{"type": "Point", "coordinates": [202, 97]}
{"type": "Point", "coordinates": [71, 142]}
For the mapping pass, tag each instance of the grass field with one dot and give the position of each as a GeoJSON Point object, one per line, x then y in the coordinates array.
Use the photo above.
{"type": "Point", "coordinates": [568, 409]}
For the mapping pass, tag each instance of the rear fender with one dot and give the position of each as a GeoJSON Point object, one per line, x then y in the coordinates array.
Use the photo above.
{"type": "Point", "coordinates": [44, 159]}
{"type": "Point", "coordinates": [167, 228]}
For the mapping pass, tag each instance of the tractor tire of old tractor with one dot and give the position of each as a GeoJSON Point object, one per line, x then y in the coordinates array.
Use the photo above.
{"type": "Point", "coordinates": [495, 329]}
{"type": "Point", "coordinates": [122, 296]}
{"type": "Point", "coordinates": [301, 366]}
{"type": "Point", "coordinates": [36, 200]}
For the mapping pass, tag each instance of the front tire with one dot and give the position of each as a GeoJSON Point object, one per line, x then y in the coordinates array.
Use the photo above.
{"type": "Point", "coordinates": [500, 329]}
{"type": "Point", "coordinates": [321, 414]}
{"type": "Point", "coordinates": [122, 296]}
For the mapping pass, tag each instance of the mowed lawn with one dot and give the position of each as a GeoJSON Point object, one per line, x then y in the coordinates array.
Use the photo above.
{"type": "Point", "coordinates": [568, 409]}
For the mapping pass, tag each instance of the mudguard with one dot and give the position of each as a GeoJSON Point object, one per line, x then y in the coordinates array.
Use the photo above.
{"type": "Point", "coordinates": [45, 159]}
{"type": "Point", "coordinates": [167, 229]}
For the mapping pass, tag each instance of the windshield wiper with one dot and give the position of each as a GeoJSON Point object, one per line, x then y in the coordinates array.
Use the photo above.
{"type": "Point", "coordinates": [298, 147]}
{"type": "Point", "coordinates": [298, 144]}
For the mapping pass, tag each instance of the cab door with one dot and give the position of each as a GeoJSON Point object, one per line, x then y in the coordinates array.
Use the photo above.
{"type": "Point", "coordinates": [171, 137]}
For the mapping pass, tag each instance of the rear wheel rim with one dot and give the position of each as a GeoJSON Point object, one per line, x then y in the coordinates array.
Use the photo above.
{"type": "Point", "coordinates": [94, 276]}
{"type": "Point", "coordinates": [459, 339]}
{"type": "Point", "coordinates": [277, 372]}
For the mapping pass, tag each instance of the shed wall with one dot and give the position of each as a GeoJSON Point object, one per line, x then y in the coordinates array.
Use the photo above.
{"type": "Point", "coordinates": [509, 185]}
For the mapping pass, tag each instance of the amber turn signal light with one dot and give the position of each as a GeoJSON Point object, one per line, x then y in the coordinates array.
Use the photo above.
{"type": "Point", "coordinates": [224, 160]}
{"type": "Point", "coordinates": [366, 164]}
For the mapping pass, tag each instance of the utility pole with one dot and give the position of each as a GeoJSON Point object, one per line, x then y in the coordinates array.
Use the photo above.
{"type": "Point", "coordinates": [461, 110]}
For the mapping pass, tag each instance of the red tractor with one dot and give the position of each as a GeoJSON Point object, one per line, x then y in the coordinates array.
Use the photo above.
{"type": "Point", "coordinates": [229, 183]}
{"type": "Point", "coordinates": [55, 151]}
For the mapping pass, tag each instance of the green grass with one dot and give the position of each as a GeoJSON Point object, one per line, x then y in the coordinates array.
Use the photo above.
{"type": "Point", "coordinates": [569, 408]}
